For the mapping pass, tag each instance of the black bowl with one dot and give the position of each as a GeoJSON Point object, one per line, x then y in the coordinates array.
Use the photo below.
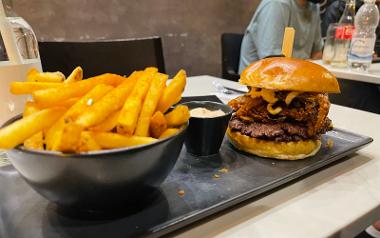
{"type": "Point", "coordinates": [205, 135]}
{"type": "Point", "coordinates": [102, 180]}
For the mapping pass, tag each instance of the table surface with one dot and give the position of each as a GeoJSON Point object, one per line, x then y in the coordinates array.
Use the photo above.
{"type": "Point", "coordinates": [337, 201]}
{"type": "Point", "coordinates": [373, 75]}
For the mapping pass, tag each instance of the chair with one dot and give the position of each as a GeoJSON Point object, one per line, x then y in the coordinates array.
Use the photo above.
{"type": "Point", "coordinates": [97, 57]}
{"type": "Point", "coordinates": [359, 95]}
{"type": "Point", "coordinates": [231, 43]}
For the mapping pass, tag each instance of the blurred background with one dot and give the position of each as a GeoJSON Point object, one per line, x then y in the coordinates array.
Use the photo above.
{"type": "Point", "coordinates": [190, 29]}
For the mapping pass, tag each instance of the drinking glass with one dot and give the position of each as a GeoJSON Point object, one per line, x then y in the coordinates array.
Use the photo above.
{"type": "Point", "coordinates": [329, 46]}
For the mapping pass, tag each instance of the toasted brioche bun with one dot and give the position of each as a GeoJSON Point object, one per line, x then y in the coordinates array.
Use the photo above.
{"type": "Point", "coordinates": [277, 150]}
{"type": "Point", "coordinates": [280, 73]}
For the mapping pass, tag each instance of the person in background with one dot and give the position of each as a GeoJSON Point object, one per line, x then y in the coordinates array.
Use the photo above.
{"type": "Point", "coordinates": [264, 34]}
{"type": "Point", "coordinates": [371, 232]}
{"type": "Point", "coordinates": [324, 4]}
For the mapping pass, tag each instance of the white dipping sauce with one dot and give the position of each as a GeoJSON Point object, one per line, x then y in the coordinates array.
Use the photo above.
{"type": "Point", "coordinates": [202, 112]}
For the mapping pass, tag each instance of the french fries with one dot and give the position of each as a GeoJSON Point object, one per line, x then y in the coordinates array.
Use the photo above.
{"type": "Point", "coordinates": [69, 138]}
{"type": "Point", "coordinates": [169, 132]}
{"type": "Point", "coordinates": [30, 87]}
{"type": "Point", "coordinates": [113, 140]}
{"type": "Point", "coordinates": [103, 112]}
{"type": "Point", "coordinates": [87, 142]}
{"type": "Point", "coordinates": [129, 114]}
{"type": "Point", "coordinates": [158, 124]}
{"type": "Point", "coordinates": [110, 103]}
{"type": "Point", "coordinates": [179, 116]}
{"type": "Point", "coordinates": [36, 142]}
{"type": "Point", "coordinates": [30, 108]}
{"type": "Point", "coordinates": [52, 77]}
{"type": "Point", "coordinates": [172, 93]}
{"type": "Point", "coordinates": [66, 103]}
{"type": "Point", "coordinates": [52, 96]}
{"type": "Point", "coordinates": [53, 134]}
{"type": "Point", "coordinates": [19, 131]}
{"type": "Point", "coordinates": [30, 74]}
{"type": "Point", "coordinates": [155, 91]}
{"type": "Point", "coordinates": [75, 76]}
{"type": "Point", "coordinates": [108, 124]}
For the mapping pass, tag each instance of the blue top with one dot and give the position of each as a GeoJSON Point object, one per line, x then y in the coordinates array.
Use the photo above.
{"type": "Point", "coordinates": [264, 34]}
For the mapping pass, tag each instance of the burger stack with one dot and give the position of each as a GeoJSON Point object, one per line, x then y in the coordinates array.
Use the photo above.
{"type": "Point", "coordinates": [285, 111]}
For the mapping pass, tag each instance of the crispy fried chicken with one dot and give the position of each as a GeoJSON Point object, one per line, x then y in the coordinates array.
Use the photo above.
{"type": "Point", "coordinates": [304, 118]}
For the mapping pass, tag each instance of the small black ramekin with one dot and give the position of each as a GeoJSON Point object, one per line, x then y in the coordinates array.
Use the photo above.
{"type": "Point", "coordinates": [204, 136]}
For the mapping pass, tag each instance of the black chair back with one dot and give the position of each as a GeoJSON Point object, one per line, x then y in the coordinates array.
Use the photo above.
{"type": "Point", "coordinates": [231, 43]}
{"type": "Point", "coordinates": [97, 57]}
{"type": "Point", "coordinates": [359, 95]}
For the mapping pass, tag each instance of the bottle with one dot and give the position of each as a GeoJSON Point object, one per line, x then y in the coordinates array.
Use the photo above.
{"type": "Point", "coordinates": [364, 37]}
{"type": "Point", "coordinates": [18, 54]}
{"type": "Point", "coordinates": [348, 16]}
{"type": "Point", "coordinates": [343, 35]}
{"type": "Point", "coordinates": [25, 38]}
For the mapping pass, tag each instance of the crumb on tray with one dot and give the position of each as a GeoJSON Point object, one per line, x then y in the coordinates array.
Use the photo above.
{"type": "Point", "coordinates": [223, 170]}
{"type": "Point", "coordinates": [181, 193]}
{"type": "Point", "coordinates": [329, 143]}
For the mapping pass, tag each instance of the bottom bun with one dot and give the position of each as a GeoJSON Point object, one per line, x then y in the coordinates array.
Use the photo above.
{"type": "Point", "coordinates": [294, 150]}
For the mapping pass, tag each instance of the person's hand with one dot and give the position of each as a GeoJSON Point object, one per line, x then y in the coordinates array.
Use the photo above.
{"type": "Point", "coordinates": [316, 55]}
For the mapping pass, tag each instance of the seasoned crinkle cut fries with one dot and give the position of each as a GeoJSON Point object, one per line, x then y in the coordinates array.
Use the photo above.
{"type": "Point", "coordinates": [75, 115]}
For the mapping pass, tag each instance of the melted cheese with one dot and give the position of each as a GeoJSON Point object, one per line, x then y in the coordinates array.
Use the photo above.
{"type": "Point", "coordinates": [289, 98]}
{"type": "Point", "coordinates": [270, 97]}
{"type": "Point", "coordinates": [266, 94]}
{"type": "Point", "coordinates": [272, 111]}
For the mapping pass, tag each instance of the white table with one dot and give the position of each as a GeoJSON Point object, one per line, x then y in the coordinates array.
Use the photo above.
{"type": "Point", "coordinates": [373, 75]}
{"type": "Point", "coordinates": [338, 201]}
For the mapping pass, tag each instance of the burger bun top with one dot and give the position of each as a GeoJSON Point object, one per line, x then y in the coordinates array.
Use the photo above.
{"type": "Point", "coordinates": [289, 74]}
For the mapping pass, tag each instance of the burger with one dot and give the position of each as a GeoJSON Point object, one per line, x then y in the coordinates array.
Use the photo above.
{"type": "Point", "coordinates": [284, 114]}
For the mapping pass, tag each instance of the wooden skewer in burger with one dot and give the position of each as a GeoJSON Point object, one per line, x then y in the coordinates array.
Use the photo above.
{"type": "Point", "coordinates": [284, 114]}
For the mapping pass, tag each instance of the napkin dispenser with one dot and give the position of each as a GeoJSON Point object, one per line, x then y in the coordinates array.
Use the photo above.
{"type": "Point", "coordinates": [18, 54]}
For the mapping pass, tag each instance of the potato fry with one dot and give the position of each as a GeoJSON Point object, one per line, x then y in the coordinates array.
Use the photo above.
{"type": "Point", "coordinates": [158, 125]}
{"type": "Point", "coordinates": [30, 108]}
{"type": "Point", "coordinates": [36, 142]}
{"type": "Point", "coordinates": [23, 129]}
{"type": "Point", "coordinates": [93, 96]}
{"type": "Point", "coordinates": [172, 93]}
{"type": "Point", "coordinates": [69, 138]}
{"type": "Point", "coordinates": [54, 95]}
{"type": "Point", "coordinates": [178, 116]}
{"type": "Point", "coordinates": [31, 72]}
{"type": "Point", "coordinates": [87, 142]}
{"type": "Point", "coordinates": [113, 140]}
{"type": "Point", "coordinates": [52, 77]}
{"type": "Point", "coordinates": [67, 103]}
{"type": "Point", "coordinates": [110, 103]}
{"type": "Point", "coordinates": [107, 125]}
{"type": "Point", "coordinates": [129, 114]}
{"type": "Point", "coordinates": [169, 132]}
{"type": "Point", "coordinates": [150, 103]}
{"type": "Point", "coordinates": [75, 76]}
{"type": "Point", "coordinates": [30, 87]}
{"type": "Point", "coordinates": [87, 101]}
{"type": "Point", "coordinates": [151, 70]}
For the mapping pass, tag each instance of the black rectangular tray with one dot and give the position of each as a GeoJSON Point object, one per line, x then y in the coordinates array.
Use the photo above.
{"type": "Point", "coordinates": [210, 185]}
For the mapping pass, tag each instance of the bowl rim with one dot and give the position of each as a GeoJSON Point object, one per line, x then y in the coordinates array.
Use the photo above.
{"type": "Point", "coordinates": [91, 153]}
